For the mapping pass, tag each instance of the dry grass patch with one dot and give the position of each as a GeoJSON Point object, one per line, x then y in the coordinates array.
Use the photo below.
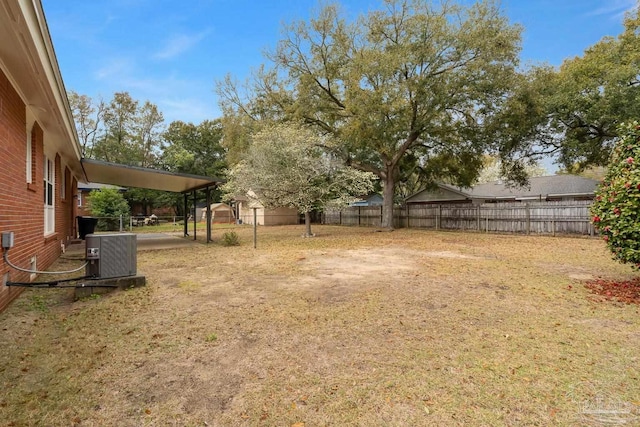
{"type": "Point", "coordinates": [349, 328]}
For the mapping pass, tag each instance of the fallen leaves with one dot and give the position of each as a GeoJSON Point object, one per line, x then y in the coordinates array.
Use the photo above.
{"type": "Point", "coordinates": [627, 292]}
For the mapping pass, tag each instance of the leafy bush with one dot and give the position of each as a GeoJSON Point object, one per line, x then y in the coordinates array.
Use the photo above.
{"type": "Point", "coordinates": [108, 204]}
{"type": "Point", "coordinates": [230, 238]}
{"type": "Point", "coordinates": [616, 210]}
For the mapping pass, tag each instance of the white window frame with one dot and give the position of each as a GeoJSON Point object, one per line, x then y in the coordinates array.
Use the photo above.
{"type": "Point", "coordinates": [49, 196]}
{"type": "Point", "coordinates": [79, 198]}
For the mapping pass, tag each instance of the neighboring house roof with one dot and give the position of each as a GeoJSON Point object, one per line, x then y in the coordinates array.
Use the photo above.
{"type": "Point", "coordinates": [542, 187]}
{"type": "Point", "coordinates": [220, 206]}
{"type": "Point", "coordinates": [374, 199]}
{"type": "Point", "coordinates": [250, 203]}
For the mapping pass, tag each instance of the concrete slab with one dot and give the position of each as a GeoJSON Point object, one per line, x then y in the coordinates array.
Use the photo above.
{"type": "Point", "coordinates": [103, 286]}
{"type": "Point", "coordinates": [145, 242]}
{"type": "Point", "coordinates": [155, 241]}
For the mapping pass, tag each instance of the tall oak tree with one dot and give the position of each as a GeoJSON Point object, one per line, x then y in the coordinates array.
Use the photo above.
{"type": "Point", "coordinates": [411, 83]}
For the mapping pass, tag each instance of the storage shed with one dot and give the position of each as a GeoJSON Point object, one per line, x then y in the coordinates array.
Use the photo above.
{"type": "Point", "coordinates": [221, 213]}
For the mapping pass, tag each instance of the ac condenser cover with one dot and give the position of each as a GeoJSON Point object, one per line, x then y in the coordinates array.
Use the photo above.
{"type": "Point", "coordinates": [111, 255]}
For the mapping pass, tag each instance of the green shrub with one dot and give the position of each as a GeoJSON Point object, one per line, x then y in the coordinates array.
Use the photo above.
{"type": "Point", "coordinates": [108, 205]}
{"type": "Point", "coordinates": [616, 209]}
{"type": "Point", "coordinates": [230, 238]}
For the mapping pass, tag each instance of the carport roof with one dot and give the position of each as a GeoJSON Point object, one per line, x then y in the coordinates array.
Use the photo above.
{"type": "Point", "coordinates": [133, 176]}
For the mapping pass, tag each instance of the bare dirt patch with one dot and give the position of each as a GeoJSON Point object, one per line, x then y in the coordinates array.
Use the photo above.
{"type": "Point", "coordinates": [334, 275]}
{"type": "Point", "coordinates": [447, 254]}
{"type": "Point", "coordinates": [348, 328]}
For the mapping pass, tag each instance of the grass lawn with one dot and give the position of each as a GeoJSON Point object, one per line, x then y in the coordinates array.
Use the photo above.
{"type": "Point", "coordinates": [352, 327]}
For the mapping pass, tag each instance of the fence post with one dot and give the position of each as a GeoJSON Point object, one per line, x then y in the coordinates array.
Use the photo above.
{"type": "Point", "coordinates": [407, 206]}
{"type": "Point", "coordinates": [507, 218]}
{"type": "Point", "coordinates": [121, 225]}
{"type": "Point", "coordinates": [255, 228]}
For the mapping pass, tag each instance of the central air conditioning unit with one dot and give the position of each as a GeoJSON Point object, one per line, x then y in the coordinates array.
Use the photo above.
{"type": "Point", "coordinates": [111, 255]}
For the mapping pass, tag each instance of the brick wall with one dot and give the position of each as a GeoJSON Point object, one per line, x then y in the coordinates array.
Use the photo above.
{"type": "Point", "coordinates": [85, 208]}
{"type": "Point", "coordinates": [21, 204]}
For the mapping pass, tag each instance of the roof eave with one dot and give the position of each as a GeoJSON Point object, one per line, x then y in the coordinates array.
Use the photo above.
{"type": "Point", "coordinates": [133, 176]}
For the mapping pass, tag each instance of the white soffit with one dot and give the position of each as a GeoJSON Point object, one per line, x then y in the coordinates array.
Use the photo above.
{"type": "Point", "coordinates": [131, 176]}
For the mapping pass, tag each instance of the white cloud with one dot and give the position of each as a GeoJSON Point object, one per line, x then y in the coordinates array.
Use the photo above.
{"type": "Point", "coordinates": [180, 43]}
{"type": "Point", "coordinates": [615, 8]}
{"type": "Point", "coordinates": [177, 98]}
{"type": "Point", "coordinates": [114, 67]}
{"type": "Point", "coordinates": [188, 110]}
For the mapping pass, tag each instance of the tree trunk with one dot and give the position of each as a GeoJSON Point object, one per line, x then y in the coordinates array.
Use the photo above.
{"type": "Point", "coordinates": [388, 185]}
{"type": "Point", "coordinates": [307, 224]}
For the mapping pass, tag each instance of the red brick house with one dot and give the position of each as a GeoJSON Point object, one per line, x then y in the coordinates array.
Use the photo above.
{"type": "Point", "coordinates": [39, 151]}
{"type": "Point", "coordinates": [40, 156]}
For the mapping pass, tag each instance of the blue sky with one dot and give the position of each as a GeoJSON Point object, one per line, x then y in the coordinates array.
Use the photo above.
{"type": "Point", "coordinates": [172, 53]}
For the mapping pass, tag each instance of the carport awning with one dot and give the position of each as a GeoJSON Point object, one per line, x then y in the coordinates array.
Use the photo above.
{"type": "Point", "coordinates": [131, 176]}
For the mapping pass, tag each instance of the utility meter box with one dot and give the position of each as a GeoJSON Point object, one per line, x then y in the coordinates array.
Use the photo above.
{"type": "Point", "coordinates": [111, 255]}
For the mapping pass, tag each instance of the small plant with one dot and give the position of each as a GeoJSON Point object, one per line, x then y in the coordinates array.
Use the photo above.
{"type": "Point", "coordinates": [108, 204]}
{"type": "Point", "coordinates": [38, 303]}
{"type": "Point", "coordinates": [212, 338]}
{"type": "Point", "coordinates": [230, 238]}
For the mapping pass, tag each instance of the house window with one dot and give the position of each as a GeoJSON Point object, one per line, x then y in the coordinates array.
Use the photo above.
{"type": "Point", "coordinates": [49, 207]}
{"type": "Point", "coordinates": [79, 198]}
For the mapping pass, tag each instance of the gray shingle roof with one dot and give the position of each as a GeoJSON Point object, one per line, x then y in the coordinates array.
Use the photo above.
{"type": "Point", "coordinates": [554, 185]}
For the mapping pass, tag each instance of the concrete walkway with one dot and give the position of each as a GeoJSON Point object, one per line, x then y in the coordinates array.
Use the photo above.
{"type": "Point", "coordinates": [147, 242]}
{"type": "Point", "coordinates": [152, 241]}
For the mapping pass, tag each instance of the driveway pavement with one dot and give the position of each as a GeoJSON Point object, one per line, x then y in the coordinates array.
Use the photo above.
{"type": "Point", "coordinates": [151, 241]}
{"type": "Point", "coordinates": [147, 242]}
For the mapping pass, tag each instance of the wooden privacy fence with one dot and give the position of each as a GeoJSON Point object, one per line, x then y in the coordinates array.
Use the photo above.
{"type": "Point", "coordinates": [557, 217]}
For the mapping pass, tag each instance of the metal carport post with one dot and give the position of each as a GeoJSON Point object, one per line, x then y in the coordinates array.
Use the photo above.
{"type": "Point", "coordinates": [186, 217]}
{"type": "Point", "coordinates": [195, 223]}
{"type": "Point", "coordinates": [208, 191]}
